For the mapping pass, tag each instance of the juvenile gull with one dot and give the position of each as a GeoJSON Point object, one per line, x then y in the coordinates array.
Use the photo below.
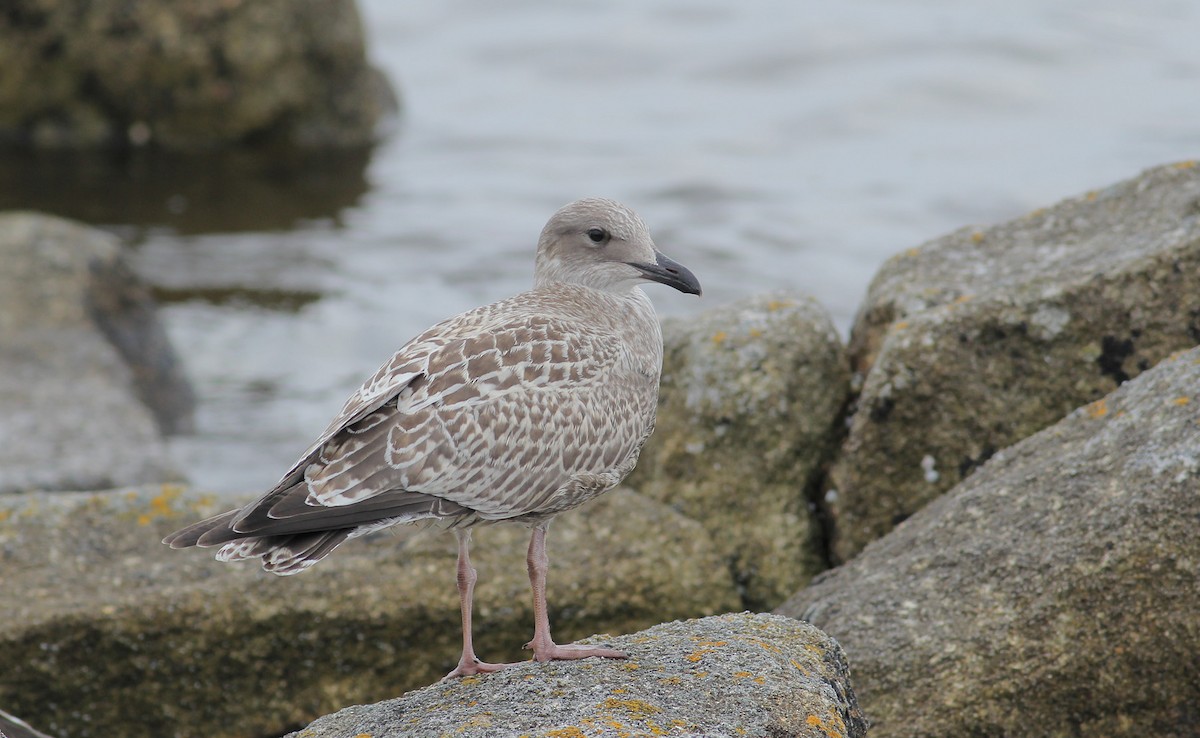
{"type": "Point", "coordinates": [511, 412]}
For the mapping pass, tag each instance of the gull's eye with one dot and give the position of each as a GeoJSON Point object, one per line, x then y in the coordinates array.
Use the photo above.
{"type": "Point", "coordinates": [597, 235]}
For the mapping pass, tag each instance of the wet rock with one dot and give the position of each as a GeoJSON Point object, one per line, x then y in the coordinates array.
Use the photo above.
{"type": "Point", "coordinates": [737, 674]}
{"type": "Point", "coordinates": [1052, 593]}
{"type": "Point", "coordinates": [187, 75]}
{"type": "Point", "coordinates": [118, 635]}
{"type": "Point", "coordinates": [752, 394]}
{"type": "Point", "coordinates": [81, 344]}
{"type": "Point", "coordinates": [985, 336]}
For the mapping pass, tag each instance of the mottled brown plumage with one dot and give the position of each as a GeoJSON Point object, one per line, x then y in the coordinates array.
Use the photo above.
{"type": "Point", "coordinates": [515, 411]}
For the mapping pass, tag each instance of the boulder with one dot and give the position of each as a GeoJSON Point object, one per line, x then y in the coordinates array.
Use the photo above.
{"type": "Point", "coordinates": [749, 412]}
{"type": "Point", "coordinates": [731, 675]}
{"type": "Point", "coordinates": [118, 635]}
{"type": "Point", "coordinates": [82, 343]}
{"type": "Point", "coordinates": [981, 338]}
{"type": "Point", "coordinates": [1053, 592]}
{"type": "Point", "coordinates": [187, 75]}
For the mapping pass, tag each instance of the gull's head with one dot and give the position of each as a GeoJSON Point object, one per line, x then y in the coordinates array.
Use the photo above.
{"type": "Point", "coordinates": [602, 244]}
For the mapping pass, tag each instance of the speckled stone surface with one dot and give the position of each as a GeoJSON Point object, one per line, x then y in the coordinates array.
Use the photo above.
{"type": "Point", "coordinates": [1052, 593]}
{"type": "Point", "coordinates": [118, 635]}
{"type": "Point", "coordinates": [729, 675]}
{"type": "Point", "coordinates": [981, 338]}
{"type": "Point", "coordinates": [749, 412]}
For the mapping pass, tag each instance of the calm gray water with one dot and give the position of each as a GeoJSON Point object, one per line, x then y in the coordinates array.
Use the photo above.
{"type": "Point", "coordinates": [767, 144]}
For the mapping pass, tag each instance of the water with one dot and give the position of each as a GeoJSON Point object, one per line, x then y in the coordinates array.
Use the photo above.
{"type": "Point", "coordinates": [768, 145]}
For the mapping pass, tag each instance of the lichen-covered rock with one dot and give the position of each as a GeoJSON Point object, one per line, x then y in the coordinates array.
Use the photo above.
{"type": "Point", "coordinates": [731, 675]}
{"type": "Point", "coordinates": [83, 73]}
{"type": "Point", "coordinates": [118, 635]}
{"type": "Point", "coordinates": [81, 343]}
{"type": "Point", "coordinates": [752, 394]}
{"type": "Point", "coordinates": [985, 336]}
{"type": "Point", "coordinates": [1052, 593]}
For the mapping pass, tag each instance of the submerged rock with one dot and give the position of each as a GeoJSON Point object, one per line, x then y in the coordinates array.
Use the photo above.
{"type": "Point", "coordinates": [732, 675]}
{"type": "Point", "coordinates": [1053, 592]}
{"type": "Point", "coordinates": [981, 338]}
{"type": "Point", "coordinates": [752, 394]}
{"type": "Point", "coordinates": [81, 344]}
{"type": "Point", "coordinates": [187, 75]}
{"type": "Point", "coordinates": [117, 635]}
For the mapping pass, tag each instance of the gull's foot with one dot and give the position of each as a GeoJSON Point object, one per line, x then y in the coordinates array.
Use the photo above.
{"type": "Point", "coordinates": [471, 667]}
{"type": "Point", "coordinates": [554, 652]}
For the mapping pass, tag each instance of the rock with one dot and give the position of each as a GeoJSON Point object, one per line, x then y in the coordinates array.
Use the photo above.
{"type": "Point", "coordinates": [1051, 593]}
{"type": "Point", "coordinates": [737, 674]}
{"type": "Point", "coordinates": [751, 401]}
{"type": "Point", "coordinates": [81, 344]}
{"type": "Point", "coordinates": [117, 635]}
{"type": "Point", "coordinates": [187, 75]}
{"type": "Point", "coordinates": [985, 336]}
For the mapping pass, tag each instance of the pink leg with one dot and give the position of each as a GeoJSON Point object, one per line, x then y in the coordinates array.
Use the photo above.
{"type": "Point", "coordinates": [544, 647]}
{"type": "Point", "coordinates": [468, 663]}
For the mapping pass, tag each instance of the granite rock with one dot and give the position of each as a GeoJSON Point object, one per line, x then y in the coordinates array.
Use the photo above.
{"type": "Point", "coordinates": [749, 412]}
{"type": "Point", "coordinates": [1051, 593]}
{"type": "Point", "coordinates": [725, 676]}
{"type": "Point", "coordinates": [983, 337]}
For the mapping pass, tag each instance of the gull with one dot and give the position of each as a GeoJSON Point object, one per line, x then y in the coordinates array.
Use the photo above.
{"type": "Point", "coordinates": [512, 412]}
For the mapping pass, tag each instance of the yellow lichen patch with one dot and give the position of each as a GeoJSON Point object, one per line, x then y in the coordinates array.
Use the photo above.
{"type": "Point", "coordinates": [482, 720]}
{"type": "Point", "coordinates": [742, 674]}
{"type": "Point", "coordinates": [755, 333]}
{"type": "Point", "coordinates": [1091, 196]}
{"type": "Point", "coordinates": [775, 305]}
{"type": "Point", "coordinates": [963, 298]}
{"type": "Point", "coordinates": [803, 669]}
{"type": "Point", "coordinates": [1181, 400]}
{"type": "Point", "coordinates": [699, 674]}
{"type": "Point", "coordinates": [719, 337]}
{"type": "Point", "coordinates": [1189, 164]}
{"type": "Point", "coordinates": [4, 515]}
{"type": "Point", "coordinates": [760, 680]}
{"type": "Point", "coordinates": [899, 325]}
{"type": "Point", "coordinates": [161, 504]}
{"type": "Point", "coordinates": [630, 665]}
{"type": "Point", "coordinates": [912, 252]}
{"type": "Point", "coordinates": [620, 690]}
{"type": "Point", "coordinates": [834, 731]}
{"type": "Point", "coordinates": [637, 709]}
{"type": "Point", "coordinates": [768, 646]}
{"type": "Point", "coordinates": [363, 735]}
{"type": "Point", "coordinates": [568, 732]}
{"type": "Point", "coordinates": [977, 237]}
{"type": "Point", "coordinates": [1097, 409]}
{"type": "Point", "coordinates": [671, 680]}
{"type": "Point", "coordinates": [469, 680]}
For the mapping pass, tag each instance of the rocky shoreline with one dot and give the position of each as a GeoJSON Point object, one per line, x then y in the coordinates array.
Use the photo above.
{"type": "Point", "coordinates": [1006, 458]}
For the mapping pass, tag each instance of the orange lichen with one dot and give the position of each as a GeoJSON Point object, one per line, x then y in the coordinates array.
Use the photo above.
{"type": "Point", "coordinates": [912, 252]}
{"type": "Point", "coordinates": [161, 504]}
{"type": "Point", "coordinates": [1091, 196]}
{"type": "Point", "coordinates": [568, 732]}
{"type": "Point", "coordinates": [977, 237]}
{"type": "Point", "coordinates": [719, 337]}
{"type": "Point", "coordinates": [1181, 400]}
{"type": "Point", "coordinates": [1189, 164]}
{"type": "Point", "coordinates": [899, 325]}
{"type": "Point", "coordinates": [1097, 409]}
{"type": "Point", "coordinates": [742, 674]}
{"type": "Point", "coordinates": [774, 305]}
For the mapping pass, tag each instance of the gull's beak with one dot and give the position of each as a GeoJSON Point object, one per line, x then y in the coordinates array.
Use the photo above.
{"type": "Point", "coordinates": [669, 272]}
